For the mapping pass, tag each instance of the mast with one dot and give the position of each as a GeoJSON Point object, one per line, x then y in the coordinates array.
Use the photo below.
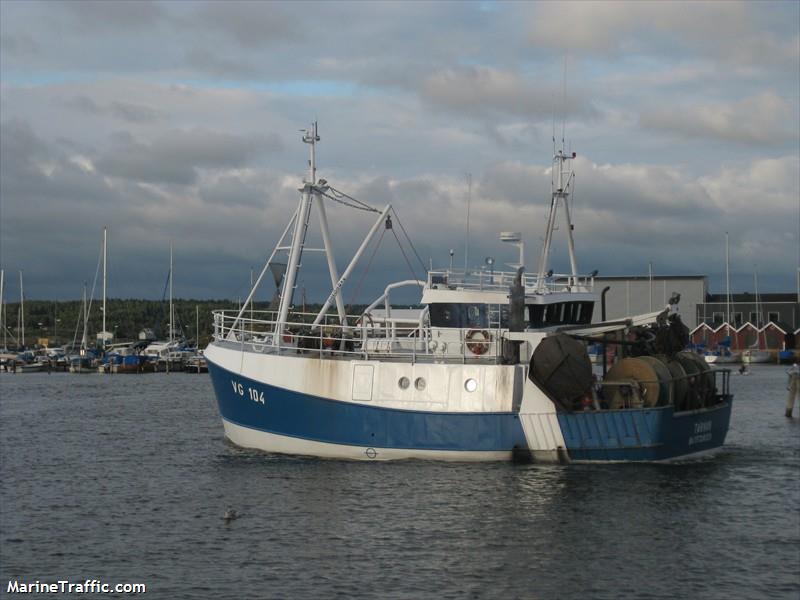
{"type": "Point", "coordinates": [21, 309]}
{"type": "Point", "coordinates": [727, 284]}
{"type": "Point", "coordinates": [171, 310]}
{"type": "Point", "coordinates": [561, 181]}
{"type": "Point", "coordinates": [758, 310]}
{"type": "Point", "coordinates": [298, 238]}
{"type": "Point", "coordinates": [105, 246]}
{"type": "Point", "coordinates": [2, 307]}
{"type": "Point", "coordinates": [466, 235]}
{"type": "Point", "coordinates": [84, 339]}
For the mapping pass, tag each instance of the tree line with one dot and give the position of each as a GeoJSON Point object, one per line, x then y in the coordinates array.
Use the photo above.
{"type": "Point", "coordinates": [59, 322]}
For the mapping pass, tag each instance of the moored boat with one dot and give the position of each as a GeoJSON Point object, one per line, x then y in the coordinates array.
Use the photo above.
{"type": "Point", "coordinates": [493, 367]}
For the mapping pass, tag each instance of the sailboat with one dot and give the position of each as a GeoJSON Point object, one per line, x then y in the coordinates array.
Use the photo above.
{"type": "Point", "coordinates": [84, 361]}
{"type": "Point", "coordinates": [87, 361]}
{"type": "Point", "coordinates": [170, 354]}
{"type": "Point", "coordinates": [722, 354]}
{"type": "Point", "coordinates": [754, 354]}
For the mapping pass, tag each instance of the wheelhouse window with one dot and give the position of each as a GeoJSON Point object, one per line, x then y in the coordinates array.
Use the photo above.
{"type": "Point", "coordinates": [464, 316]}
{"type": "Point", "coordinates": [559, 313]}
{"type": "Point", "coordinates": [482, 316]}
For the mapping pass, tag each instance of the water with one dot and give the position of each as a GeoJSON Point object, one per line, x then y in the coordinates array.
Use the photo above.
{"type": "Point", "coordinates": [126, 479]}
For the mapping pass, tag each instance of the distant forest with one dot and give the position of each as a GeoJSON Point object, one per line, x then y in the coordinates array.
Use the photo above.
{"type": "Point", "coordinates": [58, 321]}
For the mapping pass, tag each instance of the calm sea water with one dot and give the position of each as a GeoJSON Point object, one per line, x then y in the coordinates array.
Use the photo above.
{"type": "Point", "coordinates": [126, 479]}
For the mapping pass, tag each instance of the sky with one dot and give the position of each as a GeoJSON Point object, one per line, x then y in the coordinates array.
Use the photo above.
{"type": "Point", "coordinates": [179, 123]}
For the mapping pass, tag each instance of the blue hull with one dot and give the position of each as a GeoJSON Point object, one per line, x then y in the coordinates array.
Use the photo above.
{"type": "Point", "coordinates": [654, 434]}
{"type": "Point", "coordinates": [625, 435]}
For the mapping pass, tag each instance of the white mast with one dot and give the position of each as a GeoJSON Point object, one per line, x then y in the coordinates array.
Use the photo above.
{"type": "Point", "coordinates": [171, 311]}
{"type": "Point", "coordinates": [562, 177]}
{"type": "Point", "coordinates": [84, 339]}
{"type": "Point", "coordinates": [21, 310]}
{"type": "Point", "coordinates": [466, 235]}
{"type": "Point", "coordinates": [2, 307]}
{"type": "Point", "coordinates": [727, 285]}
{"type": "Point", "coordinates": [105, 272]}
{"type": "Point", "coordinates": [298, 238]}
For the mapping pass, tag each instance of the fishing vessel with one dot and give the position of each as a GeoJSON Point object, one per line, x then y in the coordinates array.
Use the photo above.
{"type": "Point", "coordinates": [492, 367]}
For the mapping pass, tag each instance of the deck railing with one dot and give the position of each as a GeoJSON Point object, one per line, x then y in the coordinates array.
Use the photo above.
{"type": "Point", "coordinates": [363, 336]}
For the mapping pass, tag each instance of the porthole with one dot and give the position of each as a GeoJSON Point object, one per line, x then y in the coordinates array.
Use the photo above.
{"type": "Point", "coordinates": [419, 383]}
{"type": "Point", "coordinates": [470, 385]}
{"type": "Point", "coordinates": [403, 383]}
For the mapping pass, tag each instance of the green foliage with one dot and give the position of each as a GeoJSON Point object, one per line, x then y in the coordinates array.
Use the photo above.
{"type": "Point", "coordinates": [61, 321]}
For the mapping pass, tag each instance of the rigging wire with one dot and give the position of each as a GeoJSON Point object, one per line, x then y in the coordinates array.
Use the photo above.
{"type": "Point", "coordinates": [94, 283]}
{"type": "Point", "coordinates": [410, 268]}
{"type": "Point", "coordinates": [338, 196]}
{"type": "Point", "coordinates": [366, 270]}
{"type": "Point", "coordinates": [410, 243]}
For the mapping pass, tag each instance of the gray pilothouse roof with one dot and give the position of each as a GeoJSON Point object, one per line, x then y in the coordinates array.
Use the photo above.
{"type": "Point", "coordinates": [475, 287]}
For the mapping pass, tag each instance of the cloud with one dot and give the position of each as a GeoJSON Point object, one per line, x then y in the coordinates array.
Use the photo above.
{"type": "Point", "coordinates": [125, 111]}
{"type": "Point", "coordinates": [178, 121]}
{"type": "Point", "coordinates": [114, 15]}
{"type": "Point", "coordinates": [175, 156]}
{"type": "Point", "coordinates": [733, 32]}
{"type": "Point", "coordinates": [252, 25]}
{"type": "Point", "coordinates": [482, 91]}
{"type": "Point", "coordinates": [764, 119]}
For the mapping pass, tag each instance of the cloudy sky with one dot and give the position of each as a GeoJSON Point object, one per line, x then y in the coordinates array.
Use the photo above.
{"type": "Point", "coordinates": [178, 122]}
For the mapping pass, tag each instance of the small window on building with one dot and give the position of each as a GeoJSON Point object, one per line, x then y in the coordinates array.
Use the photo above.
{"type": "Point", "coordinates": [736, 318]}
{"type": "Point", "coordinates": [719, 318]}
{"type": "Point", "coordinates": [773, 317]}
{"type": "Point", "coordinates": [754, 318]}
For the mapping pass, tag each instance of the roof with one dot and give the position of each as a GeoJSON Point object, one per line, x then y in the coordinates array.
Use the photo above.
{"type": "Point", "coordinates": [647, 277]}
{"type": "Point", "coordinates": [748, 297]}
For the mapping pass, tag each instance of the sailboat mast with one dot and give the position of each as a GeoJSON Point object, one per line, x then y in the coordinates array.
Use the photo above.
{"type": "Point", "coordinates": [171, 310]}
{"type": "Point", "coordinates": [466, 235]}
{"type": "Point", "coordinates": [84, 339]}
{"type": "Point", "coordinates": [727, 283]}
{"type": "Point", "coordinates": [2, 308]}
{"type": "Point", "coordinates": [21, 310]}
{"type": "Point", "coordinates": [105, 247]}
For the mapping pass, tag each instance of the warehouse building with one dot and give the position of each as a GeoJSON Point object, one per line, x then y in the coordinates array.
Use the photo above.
{"type": "Point", "coordinates": [629, 296]}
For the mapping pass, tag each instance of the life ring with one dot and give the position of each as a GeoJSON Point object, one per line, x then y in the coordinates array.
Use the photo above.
{"type": "Point", "coordinates": [328, 341]}
{"type": "Point", "coordinates": [481, 345]}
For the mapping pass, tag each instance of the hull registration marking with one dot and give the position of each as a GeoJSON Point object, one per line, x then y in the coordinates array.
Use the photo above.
{"type": "Point", "coordinates": [253, 394]}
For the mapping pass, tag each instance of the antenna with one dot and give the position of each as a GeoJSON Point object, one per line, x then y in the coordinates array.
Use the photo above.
{"type": "Point", "coordinates": [466, 237]}
{"type": "Point", "coordinates": [562, 182]}
{"type": "Point", "coordinates": [564, 102]}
